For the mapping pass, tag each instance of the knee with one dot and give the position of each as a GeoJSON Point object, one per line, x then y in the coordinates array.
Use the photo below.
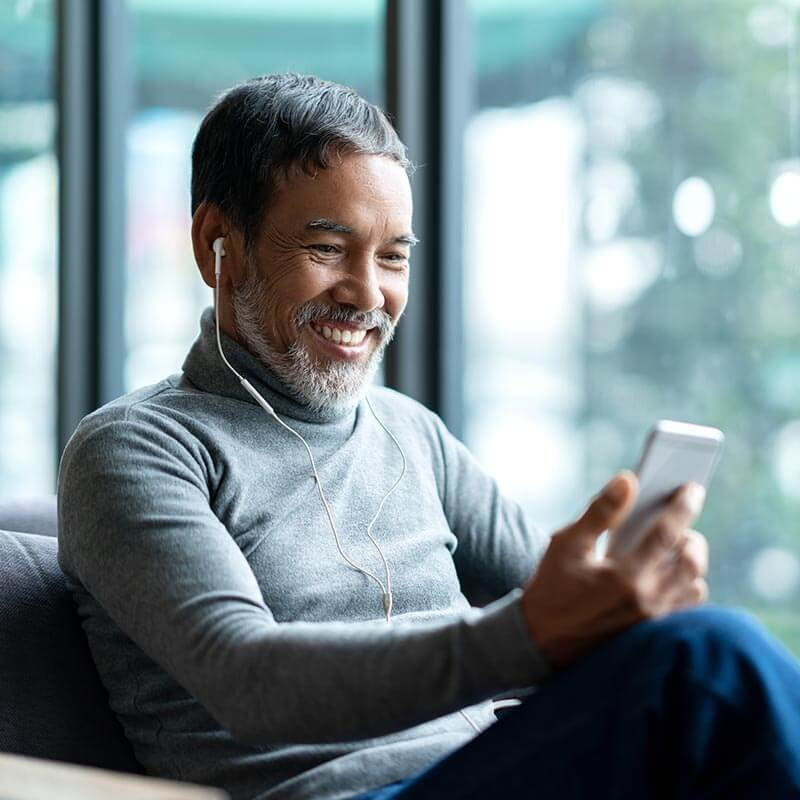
{"type": "Point", "coordinates": [727, 625]}
{"type": "Point", "coordinates": [710, 641]}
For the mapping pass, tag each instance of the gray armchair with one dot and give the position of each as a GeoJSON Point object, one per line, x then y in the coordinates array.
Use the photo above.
{"type": "Point", "coordinates": [52, 703]}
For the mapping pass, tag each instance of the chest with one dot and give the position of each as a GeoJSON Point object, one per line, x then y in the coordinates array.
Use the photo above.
{"type": "Point", "coordinates": [271, 504]}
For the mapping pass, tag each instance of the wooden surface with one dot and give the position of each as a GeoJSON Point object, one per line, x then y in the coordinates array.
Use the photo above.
{"type": "Point", "coordinates": [23, 778]}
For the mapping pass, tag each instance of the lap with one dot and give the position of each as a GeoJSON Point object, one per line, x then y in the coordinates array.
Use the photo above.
{"type": "Point", "coordinates": [592, 725]}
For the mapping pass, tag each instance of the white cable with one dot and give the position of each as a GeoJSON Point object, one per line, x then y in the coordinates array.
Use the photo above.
{"type": "Point", "coordinates": [386, 590]}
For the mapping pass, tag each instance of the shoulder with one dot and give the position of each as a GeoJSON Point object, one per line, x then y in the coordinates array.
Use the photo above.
{"type": "Point", "coordinates": [414, 423]}
{"type": "Point", "coordinates": [405, 412]}
{"type": "Point", "coordinates": [142, 415]}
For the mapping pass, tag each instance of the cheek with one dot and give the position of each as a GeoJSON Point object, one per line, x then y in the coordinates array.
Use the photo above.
{"type": "Point", "coordinates": [395, 292]}
{"type": "Point", "coordinates": [288, 290]}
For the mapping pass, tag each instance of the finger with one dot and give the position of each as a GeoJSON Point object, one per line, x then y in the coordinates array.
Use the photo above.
{"type": "Point", "coordinates": [691, 594]}
{"type": "Point", "coordinates": [667, 532]}
{"type": "Point", "coordinates": [697, 550]}
{"type": "Point", "coordinates": [679, 581]}
{"type": "Point", "coordinates": [690, 557]}
{"type": "Point", "coordinates": [613, 502]}
{"type": "Point", "coordinates": [673, 583]}
{"type": "Point", "coordinates": [683, 593]}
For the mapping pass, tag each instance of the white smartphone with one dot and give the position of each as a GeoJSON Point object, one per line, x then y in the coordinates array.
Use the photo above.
{"type": "Point", "coordinates": [674, 453]}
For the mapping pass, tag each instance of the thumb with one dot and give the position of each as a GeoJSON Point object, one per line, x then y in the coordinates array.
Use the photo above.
{"type": "Point", "coordinates": [604, 512]}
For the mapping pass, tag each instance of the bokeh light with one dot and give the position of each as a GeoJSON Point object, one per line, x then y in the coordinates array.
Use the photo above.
{"type": "Point", "coordinates": [718, 252]}
{"type": "Point", "coordinates": [784, 197]}
{"type": "Point", "coordinates": [775, 573]}
{"type": "Point", "coordinates": [693, 206]}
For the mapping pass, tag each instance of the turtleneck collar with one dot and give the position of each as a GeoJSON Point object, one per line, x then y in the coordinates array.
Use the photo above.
{"type": "Point", "coordinates": [206, 370]}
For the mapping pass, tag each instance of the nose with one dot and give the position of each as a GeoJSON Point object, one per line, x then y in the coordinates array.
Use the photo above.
{"type": "Point", "coordinates": [360, 286]}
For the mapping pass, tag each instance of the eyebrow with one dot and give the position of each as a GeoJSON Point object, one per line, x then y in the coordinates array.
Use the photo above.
{"type": "Point", "coordinates": [322, 224]}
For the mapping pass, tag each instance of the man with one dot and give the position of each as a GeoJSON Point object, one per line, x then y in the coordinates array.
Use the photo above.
{"type": "Point", "coordinates": [239, 535]}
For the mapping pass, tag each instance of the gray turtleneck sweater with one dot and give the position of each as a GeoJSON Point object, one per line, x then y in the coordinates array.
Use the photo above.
{"type": "Point", "coordinates": [237, 647]}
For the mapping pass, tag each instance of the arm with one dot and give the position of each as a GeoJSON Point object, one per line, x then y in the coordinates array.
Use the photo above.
{"type": "Point", "coordinates": [571, 600]}
{"type": "Point", "coordinates": [138, 532]}
{"type": "Point", "coordinates": [498, 548]}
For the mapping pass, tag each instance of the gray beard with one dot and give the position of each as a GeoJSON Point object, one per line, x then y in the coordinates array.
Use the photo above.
{"type": "Point", "coordinates": [337, 386]}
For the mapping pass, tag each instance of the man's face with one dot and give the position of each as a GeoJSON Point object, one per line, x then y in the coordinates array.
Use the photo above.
{"type": "Point", "coordinates": [328, 277]}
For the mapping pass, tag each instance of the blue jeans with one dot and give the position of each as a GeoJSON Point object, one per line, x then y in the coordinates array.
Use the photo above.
{"type": "Point", "coordinates": [703, 703]}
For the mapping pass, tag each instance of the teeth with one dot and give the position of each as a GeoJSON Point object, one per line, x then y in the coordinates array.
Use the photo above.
{"type": "Point", "coordinates": [345, 337]}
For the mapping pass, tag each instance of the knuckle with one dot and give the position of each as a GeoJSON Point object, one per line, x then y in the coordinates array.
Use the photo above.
{"type": "Point", "coordinates": [599, 511]}
{"type": "Point", "coordinates": [684, 504]}
{"type": "Point", "coordinates": [664, 533]}
{"type": "Point", "coordinates": [627, 588]}
{"type": "Point", "coordinates": [700, 544]}
{"type": "Point", "coordinates": [620, 579]}
{"type": "Point", "coordinates": [687, 564]}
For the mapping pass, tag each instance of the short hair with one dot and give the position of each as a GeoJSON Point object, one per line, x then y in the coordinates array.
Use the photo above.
{"type": "Point", "coordinates": [259, 130]}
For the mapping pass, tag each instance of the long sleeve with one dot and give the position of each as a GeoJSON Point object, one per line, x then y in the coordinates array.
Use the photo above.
{"type": "Point", "coordinates": [498, 547]}
{"type": "Point", "coordinates": [138, 532]}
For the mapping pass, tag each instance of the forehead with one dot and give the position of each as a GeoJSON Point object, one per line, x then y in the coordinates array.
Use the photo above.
{"type": "Point", "coordinates": [356, 190]}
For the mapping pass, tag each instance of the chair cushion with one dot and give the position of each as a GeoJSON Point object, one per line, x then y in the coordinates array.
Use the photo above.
{"type": "Point", "coordinates": [30, 515]}
{"type": "Point", "coordinates": [52, 703]}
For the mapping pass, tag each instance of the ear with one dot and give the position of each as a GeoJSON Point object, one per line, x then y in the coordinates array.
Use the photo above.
{"type": "Point", "coordinates": [208, 224]}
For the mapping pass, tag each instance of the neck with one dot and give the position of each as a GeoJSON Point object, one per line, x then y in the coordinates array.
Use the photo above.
{"type": "Point", "coordinates": [205, 368]}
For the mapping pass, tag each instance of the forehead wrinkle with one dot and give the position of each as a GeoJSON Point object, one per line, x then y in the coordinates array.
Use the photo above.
{"type": "Point", "coordinates": [279, 237]}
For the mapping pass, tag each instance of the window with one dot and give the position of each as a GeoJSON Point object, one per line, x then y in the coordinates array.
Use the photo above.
{"type": "Point", "coordinates": [632, 249]}
{"type": "Point", "coordinates": [184, 55]}
{"type": "Point", "coordinates": [28, 243]}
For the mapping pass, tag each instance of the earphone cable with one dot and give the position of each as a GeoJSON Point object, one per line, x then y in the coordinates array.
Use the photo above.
{"type": "Point", "coordinates": [386, 591]}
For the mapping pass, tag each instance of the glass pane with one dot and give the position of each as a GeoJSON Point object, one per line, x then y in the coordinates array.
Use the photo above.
{"type": "Point", "coordinates": [185, 54]}
{"type": "Point", "coordinates": [632, 246]}
{"type": "Point", "coordinates": [28, 248]}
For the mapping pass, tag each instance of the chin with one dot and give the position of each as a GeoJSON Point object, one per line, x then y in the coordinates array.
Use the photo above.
{"type": "Point", "coordinates": [320, 382]}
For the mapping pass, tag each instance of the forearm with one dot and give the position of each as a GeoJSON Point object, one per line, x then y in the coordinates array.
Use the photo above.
{"type": "Point", "coordinates": [138, 533]}
{"type": "Point", "coordinates": [315, 682]}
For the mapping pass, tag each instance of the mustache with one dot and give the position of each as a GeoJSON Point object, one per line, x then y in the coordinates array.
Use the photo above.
{"type": "Point", "coordinates": [312, 311]}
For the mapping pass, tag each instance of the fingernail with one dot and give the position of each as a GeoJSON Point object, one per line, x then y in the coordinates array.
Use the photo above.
{"type": "Point", "coordinates": [615, 490]}
{"type": "Point", "coordinates": [695, 496]}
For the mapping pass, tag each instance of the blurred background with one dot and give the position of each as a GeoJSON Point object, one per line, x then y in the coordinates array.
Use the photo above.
{"type": "Point", "coordinates": [608, 198]}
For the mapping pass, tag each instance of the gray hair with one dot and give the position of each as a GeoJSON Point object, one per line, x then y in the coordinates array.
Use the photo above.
{"type": "Point", "coordinates": [259, 130]}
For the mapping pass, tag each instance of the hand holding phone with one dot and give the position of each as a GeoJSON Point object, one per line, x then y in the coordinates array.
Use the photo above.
{"type": "Point", "coordinates": [674, 453]}
{"type": "Point", "coordinates": [574, 600]}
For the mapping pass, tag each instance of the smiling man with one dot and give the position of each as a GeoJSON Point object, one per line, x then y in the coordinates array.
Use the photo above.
{"type": "Point", "coordinates": [269, 553]}
{"type": "Point", "coordinates": [321, 316]}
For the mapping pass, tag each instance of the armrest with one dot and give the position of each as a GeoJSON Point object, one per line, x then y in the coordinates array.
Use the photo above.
{"type": "Point", "coordinates": [23, 777]}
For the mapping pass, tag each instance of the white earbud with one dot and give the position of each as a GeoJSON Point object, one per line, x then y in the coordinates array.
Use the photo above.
{"type": "Point", "coordinates": [219, 252]}
{"type": "Point", "coordinates": [218, 246]}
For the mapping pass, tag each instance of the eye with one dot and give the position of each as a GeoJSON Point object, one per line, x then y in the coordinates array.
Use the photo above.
{"type": "Point", "coordinates": [327, 249]}
{"type": "Point", "coordinates": [396, 258]}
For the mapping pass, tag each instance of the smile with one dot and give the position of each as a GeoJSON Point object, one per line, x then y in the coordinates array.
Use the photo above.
{"type": "Point", "coordinates": [346, 337]}
{"type": "Point", "coordinates": [340, 342]}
